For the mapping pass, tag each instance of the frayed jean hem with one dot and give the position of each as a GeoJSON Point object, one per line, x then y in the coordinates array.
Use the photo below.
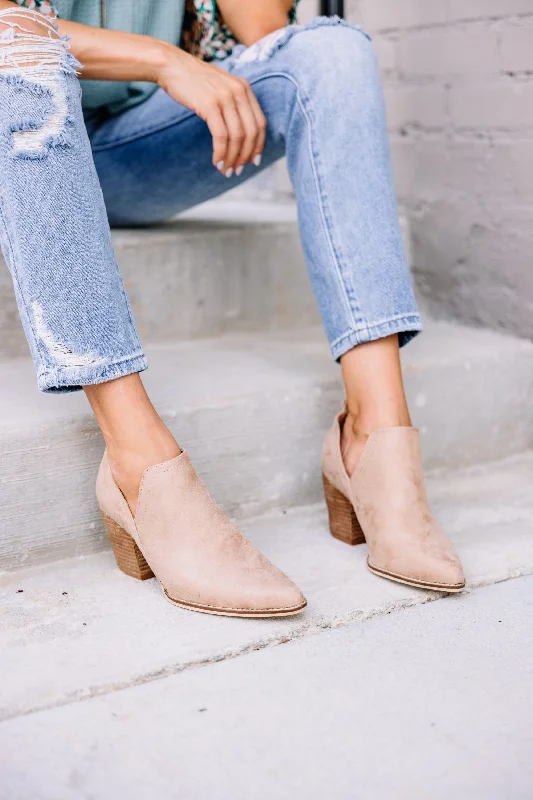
{"type": "Point", "coordinates": [406, 327]}
{"type": "Point", "coordinates": [72, 379]}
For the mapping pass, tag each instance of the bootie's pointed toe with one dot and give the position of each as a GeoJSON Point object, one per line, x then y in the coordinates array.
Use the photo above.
{"type": "Point", "coordinates": [281, 594]}
{"type": "Point", "coordinates": [229, 577]}
{"type": "Point", "coordinates": [426, 572]}
{"type": "Point", "coordinates": [384, 502]}
{"type": "Point", "coordinates": [198, 555]}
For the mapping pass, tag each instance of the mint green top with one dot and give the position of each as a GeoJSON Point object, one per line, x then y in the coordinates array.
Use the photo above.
{"type": "Point", "coordinates": [160, 18]}
{"type": "Point", "coordinates": [196, 25]}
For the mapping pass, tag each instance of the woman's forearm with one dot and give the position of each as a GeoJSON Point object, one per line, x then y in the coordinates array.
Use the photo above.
{"type": "Point", "coordinates": [117, 56]}
{"type": "Point", "coordinates": [224, 101]}
{"type": "Point", "coordinates": [114, 55]}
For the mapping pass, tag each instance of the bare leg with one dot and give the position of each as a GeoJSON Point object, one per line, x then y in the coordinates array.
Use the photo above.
{"type": "Point", "coordinates": [374, 390]}
{"type": "Point", "coordinates": [135, 436]}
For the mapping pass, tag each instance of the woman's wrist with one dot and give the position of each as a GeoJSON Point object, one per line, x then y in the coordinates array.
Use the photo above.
{"type": "Point", "coordinates": [167, 59]}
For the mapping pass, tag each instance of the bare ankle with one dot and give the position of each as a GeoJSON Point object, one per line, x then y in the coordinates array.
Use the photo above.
{"type": "Point", "coordinates": [136, 437]}
{"type": "Point", "coordinates": [358, 427]}
{"type": "Point", "coordinates": [353, 443]}
{"type": "Point", "coordinates": [362, 423]}
{"type": "Point", "coordinates": [129, 462]}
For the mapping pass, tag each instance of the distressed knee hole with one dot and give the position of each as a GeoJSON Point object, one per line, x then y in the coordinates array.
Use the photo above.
{"type": "Point", "coordinates": [34, 57]}
{"type": "Point", "coordinates": [266, 47]}
{"type": "Point", "coordinates": [29, 44]}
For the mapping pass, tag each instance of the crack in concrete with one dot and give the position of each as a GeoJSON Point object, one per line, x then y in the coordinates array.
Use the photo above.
{"type": "Point", "coordinates": [314, 627]}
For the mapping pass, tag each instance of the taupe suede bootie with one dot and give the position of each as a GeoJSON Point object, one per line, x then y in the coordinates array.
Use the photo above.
{"type": "Point", "coordinates": [384, 502]}
{"type": "Point", "coordinates": [180, 535]}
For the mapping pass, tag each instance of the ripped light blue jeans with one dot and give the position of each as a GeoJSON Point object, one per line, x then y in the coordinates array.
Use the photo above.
{"type": "Point", "coordinates": [64, 177]}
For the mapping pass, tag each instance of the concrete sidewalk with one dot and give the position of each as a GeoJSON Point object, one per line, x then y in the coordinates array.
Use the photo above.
{"type": "Point", "coordinates": [80, 628]}
{"type": "Point", "coordinates": [432, 701]}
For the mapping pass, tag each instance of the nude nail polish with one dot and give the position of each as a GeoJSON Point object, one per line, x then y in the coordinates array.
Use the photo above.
{"type": "Point", "coordinates": [229, 172]}
{"type": "Point", "coordinates": [238, 170]}
{"type": "Point", "coordinates": [257, 160]}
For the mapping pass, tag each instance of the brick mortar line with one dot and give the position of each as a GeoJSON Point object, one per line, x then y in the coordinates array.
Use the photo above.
{"type": "Point", "coordinates": [396, 80]}
{"type": "Point", "coordinates": [441, 136]}
{"type": "Point", "coordinates": [458, 24]}
{"type": "Point", "coordinates": [314, 628]}
{"type": "Point", "coordinates": [459, 131]}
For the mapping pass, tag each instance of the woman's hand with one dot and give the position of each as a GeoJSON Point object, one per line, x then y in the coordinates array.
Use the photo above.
{"type": "Point", "coordinates": [225, 102]}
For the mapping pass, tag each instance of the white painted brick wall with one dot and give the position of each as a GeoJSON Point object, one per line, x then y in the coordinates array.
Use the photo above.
{"type": "Point", "coordinates": [386, 51]}
{"type": "Point", "coordinates": [493, 107]}
{"type": "Point", "coordinates": [416, 105]}
{"type": "Point", "coordinates": [517, 49]}
{"type": "Point", "coordinates": [486, 9]}
{"type": "Point", "coordinates": [390, 14]}
{"type": "Point", "coordinates": [443, 53]}
{"type": "Point", "coordinates": [458, 83]}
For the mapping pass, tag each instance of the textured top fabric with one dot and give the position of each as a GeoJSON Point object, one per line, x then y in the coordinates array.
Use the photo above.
{"type": "Point", "coordinates": [159, 18]}
{"type": "Point", "coordinates": [205, 35]}
{"type": "Point", "coordinates": [195, 25]}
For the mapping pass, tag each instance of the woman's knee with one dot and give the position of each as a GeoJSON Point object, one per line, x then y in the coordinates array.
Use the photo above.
{"type": "Point", "coordinates": [28, 40]}
{"type": "Point", "coordinates": [334, 50]}
{"type": "Point", "coordinates": [36, 99]}
{"type": "Point", "coordinates": [333, 40]}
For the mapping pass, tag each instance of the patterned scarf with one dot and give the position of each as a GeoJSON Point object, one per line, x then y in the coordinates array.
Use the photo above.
{"type": "Point", "coordinates": [204, 33]}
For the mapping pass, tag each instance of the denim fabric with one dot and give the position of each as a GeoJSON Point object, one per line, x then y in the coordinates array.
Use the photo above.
{"type": "Point", "coordinates": [53, 225]}
{"type": "Point", "coordinates": [319, 88]}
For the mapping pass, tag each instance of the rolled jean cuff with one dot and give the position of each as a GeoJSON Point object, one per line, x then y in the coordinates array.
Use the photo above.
{"type": "Point", "coordinates": [406, 327]}
{"type": "Point", "coordinates": [72, 379]}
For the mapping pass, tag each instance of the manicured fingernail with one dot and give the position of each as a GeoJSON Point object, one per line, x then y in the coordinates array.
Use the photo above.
{"type": "Point", "coordinates": [229, 173]}
{"type": "Point", "coordinates": [238, 170]}
{"type": "Point", "coordinates": [220, 166]}
{"type": "Point", "coordinates": [257, 160]}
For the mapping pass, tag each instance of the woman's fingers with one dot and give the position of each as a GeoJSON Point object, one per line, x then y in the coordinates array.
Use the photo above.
{"type": "Point", "coordinates": [245, 124]}
{"type": "Point", "coordinates": [235, 120]}
{"type": "Point", "coordinates": [261, 125]}
{"type": "Point", "coordinates": [254, 121]}
{"type": "Point", "coordinates": [227, 104]}
{"type": "Point", "coordinates": [236, 133]}
{"type": "Point", "coordinates": [251, 129]}
{"type": "Point", "coordinates": [217, 127]}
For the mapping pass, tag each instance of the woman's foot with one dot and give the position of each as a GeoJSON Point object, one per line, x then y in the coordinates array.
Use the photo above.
{"type": "Point", "coordinates": [384, 501]}
{"type": "Point", "coordinates": [162, 521]}
{"type": "Point", "coordinates": [180, 535]}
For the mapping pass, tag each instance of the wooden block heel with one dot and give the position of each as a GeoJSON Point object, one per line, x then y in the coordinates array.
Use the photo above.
{"type": "Point", "coordinates": [343, 522]}
{"type": "Point", "coordinates": [128, 556]}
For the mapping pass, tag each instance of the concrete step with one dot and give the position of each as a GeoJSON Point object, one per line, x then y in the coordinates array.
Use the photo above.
{"type": "Point", "coordinates": [91, 630]}
{"type": "Point", "coordinates": [218, 269]}
{"type": "Point", "coordinates": [252, 411]}
{"type": "Point", "coordinates": [223, 266]}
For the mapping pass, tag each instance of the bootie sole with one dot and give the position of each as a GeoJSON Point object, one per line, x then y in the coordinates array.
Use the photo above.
{"type": "Point", "coordinates": [435, 587]}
